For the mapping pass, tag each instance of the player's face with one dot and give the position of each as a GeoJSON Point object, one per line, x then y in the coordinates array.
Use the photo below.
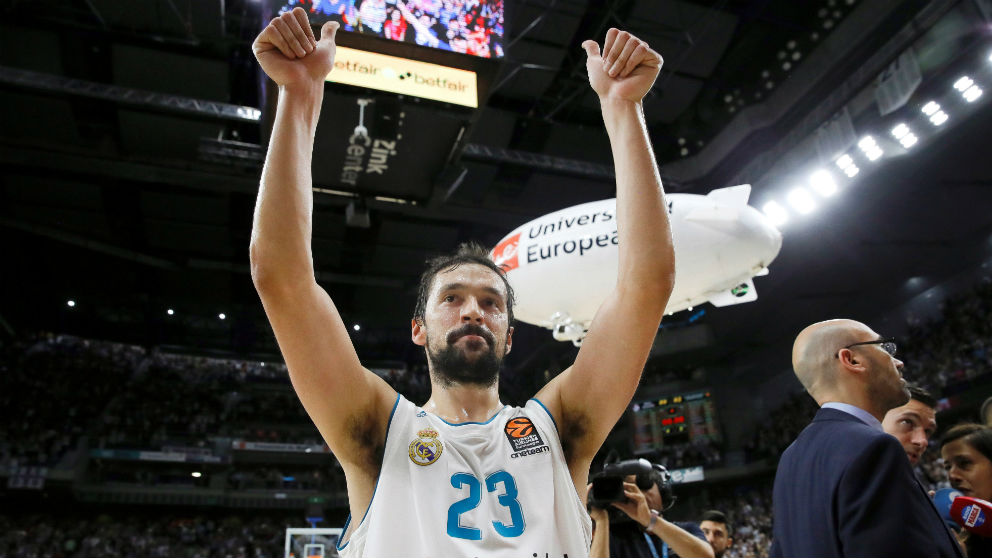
{"type": "Point", "coordinates": [912, 424]}
{"type": "Point", "coordinates": [716, 534]}
{"type": "Point", "coordinates": [466, 330]}
{"type": "Point", "coordinates": [968, 469]}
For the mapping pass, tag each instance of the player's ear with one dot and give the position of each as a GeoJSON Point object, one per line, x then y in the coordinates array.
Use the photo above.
{"type": "Point", "coordinates": [509, 340]}
{"type": "Point", "coordinates": [418, 333]}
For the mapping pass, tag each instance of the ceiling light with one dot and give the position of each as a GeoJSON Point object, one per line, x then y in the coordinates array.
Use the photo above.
{"type": "Point", "coordinates": [845, 161]}
{"type": "Point", "coordinates": [909, 140]}
{"type": "Point", "coordinates": [972, 93]}
{"type": "Point", "coordinates": [222, 316]}
{"type": "Point", "coordinates": [852, 171]}
{"type": "Point", "coordinates": [823, 183]}
{"type": "Point", "coordinates": [775, 213]}
{"type": "Point", "coordinates": [801, 201]}
{"type": "Point", "coordinates": [870, 148]}
{"type": "Point", "coordinates": [356, 327]}
{"type": "Point", "coordinates": [866, 143]}
{"type": "Point", "coordinates": [900, 131]}
{"type": "Point", "coordinates": [170, 311]}
{"type": "Point", "coordinates": [938, 118]}
{"type": "Point", "coordinates": [196, 474]}
{"type": "Point", "coordinates": [71, 303]}
{"type": "Point", "coordinates": [930, 108]}
{"type": "Point", "coordinates": [963, 83]}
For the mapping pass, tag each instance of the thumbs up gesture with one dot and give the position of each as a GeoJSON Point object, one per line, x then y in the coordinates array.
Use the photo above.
{"type": "Point", "coordinates": [626, 69]}
{"type": "Point", "coordinates": [289, 53]}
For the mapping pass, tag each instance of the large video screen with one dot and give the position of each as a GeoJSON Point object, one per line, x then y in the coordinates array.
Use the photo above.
{"type": "Point", "coordinates": [473, 27]}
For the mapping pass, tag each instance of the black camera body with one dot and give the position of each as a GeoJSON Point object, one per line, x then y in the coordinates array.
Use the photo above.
{"type": "Point", "coordinates": [607, 485]}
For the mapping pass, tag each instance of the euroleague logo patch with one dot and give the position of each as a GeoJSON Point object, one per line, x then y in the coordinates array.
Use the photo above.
{"type": "Point", "coordinates": [523, 437]}
{"type": "Point", "coordinates": [426, 448]}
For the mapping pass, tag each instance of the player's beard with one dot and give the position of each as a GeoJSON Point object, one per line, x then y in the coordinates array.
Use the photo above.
{"type": "Point", "coordinates": [452, 366]}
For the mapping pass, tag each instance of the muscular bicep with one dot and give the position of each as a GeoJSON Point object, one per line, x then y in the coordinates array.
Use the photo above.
{"type": "Point", "coordinates": [589, 397]}
{"type": "Point", "coordinates": [348, 404]}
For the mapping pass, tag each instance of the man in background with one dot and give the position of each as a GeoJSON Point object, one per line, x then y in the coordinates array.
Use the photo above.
{"type": "Point", "coordinates": [845, 487]}
{"type": "Point", "coordinates": [914, 423]}
{"type": "Point", "coordinates": [717, 531]}
{"type": "Point", "coordinates": [647, 533]}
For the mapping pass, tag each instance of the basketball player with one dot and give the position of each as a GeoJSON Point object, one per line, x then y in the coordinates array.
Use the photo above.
{"type": "Point", "coordinates": [463, 475]}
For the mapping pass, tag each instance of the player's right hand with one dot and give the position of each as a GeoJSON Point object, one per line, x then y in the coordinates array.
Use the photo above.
{"type": "Point", "coordinates": [288, 52]}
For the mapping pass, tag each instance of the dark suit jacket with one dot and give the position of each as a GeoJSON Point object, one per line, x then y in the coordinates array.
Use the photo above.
{"type": "Point", "coordinates": [844, 488]}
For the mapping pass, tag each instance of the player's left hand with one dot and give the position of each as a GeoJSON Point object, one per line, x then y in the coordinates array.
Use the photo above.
{"type": "Point", "coordinates": [626, 69]}
{"type": "Point", "coordinates": [636, 505]}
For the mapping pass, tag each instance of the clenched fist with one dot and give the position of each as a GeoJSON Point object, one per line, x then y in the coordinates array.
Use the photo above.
{"type": "Point", "coordinates": [288, 52]}
{"type": "Point", "coordinates": [626, 69]}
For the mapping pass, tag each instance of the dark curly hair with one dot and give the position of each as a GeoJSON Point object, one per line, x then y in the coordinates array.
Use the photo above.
{"type": "Point", "coordinates": [466, 253]}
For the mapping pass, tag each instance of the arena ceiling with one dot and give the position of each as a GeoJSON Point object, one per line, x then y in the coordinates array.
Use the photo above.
{"type": "Point", "coordinates": [128, 183]}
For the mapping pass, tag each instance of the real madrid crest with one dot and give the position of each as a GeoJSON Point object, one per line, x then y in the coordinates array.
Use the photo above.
{"type": "Point", "coordinates": [426, 448]}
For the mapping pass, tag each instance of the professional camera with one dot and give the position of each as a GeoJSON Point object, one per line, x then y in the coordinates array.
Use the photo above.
{"type": "Point", "coordinates": [607, 485]}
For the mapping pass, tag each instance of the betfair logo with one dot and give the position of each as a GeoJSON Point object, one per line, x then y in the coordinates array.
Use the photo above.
{"type": "Point", "coordinates": [404, 76]}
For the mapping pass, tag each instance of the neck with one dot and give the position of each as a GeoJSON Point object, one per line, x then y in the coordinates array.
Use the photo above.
{"type": "Point", "coordinates": [460, 403]}
{"type": "Point", "coordinates": [859, 400]}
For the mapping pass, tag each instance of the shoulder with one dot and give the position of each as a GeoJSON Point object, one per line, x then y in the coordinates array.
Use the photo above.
{"type": "Point", "coordinates": [690, 527]}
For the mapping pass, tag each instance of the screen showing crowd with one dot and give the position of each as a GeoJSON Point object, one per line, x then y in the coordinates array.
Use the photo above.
{"type": "Point", "coordinates": [473, 27]}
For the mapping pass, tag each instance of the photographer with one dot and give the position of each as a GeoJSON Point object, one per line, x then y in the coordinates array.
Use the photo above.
{"type": "Point", "coordinates": [640, 530]}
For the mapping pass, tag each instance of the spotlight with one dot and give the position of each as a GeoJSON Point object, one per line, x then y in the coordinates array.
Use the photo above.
{"type": "Point", "coordinates": [71, 303]}
{"type": "Point", "coordinates": [972, 93]}
{"type": "Point", "coordinates": [196, 474]}
{"type": "Point", "coordinates": [909, 140]}
{"type": "Point", "coordinates": [900, 131]}
{"type": "Point", "coordinates": [823, 183]}
{"type": "Point", "coordinates": [846, 164]}
{"type": "Point", "coordinates": [356, 327]}
{"type": "Point", "coordinates": [938, 118]}
{"type": "Point", "coordinates": [800, 199]}
{"type": "Point", "coordinates": [222, 316]}
{"type": "Point", "coordinates": [930, 108]}
{"type": "Point", "coordinates": [963, 83]}
{"type": "Point", "coordinates": [870, 148]}
{"type": "Point", "coordinates": [776, 213]}
{"type": "Point", "coordinates": [170, 311]}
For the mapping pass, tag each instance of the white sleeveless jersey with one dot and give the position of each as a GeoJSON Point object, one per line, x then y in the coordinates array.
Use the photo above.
{"type": "Point", "coordinates": [496, 488]}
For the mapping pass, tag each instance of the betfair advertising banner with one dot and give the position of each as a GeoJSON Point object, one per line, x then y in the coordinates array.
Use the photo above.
{"type": "Point", "coordinates": [404, 76]}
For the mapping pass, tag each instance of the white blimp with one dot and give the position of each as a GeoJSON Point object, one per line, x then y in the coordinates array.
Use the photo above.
{"type": "Point", "coordinates": [564, 264]}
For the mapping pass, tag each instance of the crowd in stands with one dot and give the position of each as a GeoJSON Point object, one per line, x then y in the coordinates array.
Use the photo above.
{"type": "Point", "coordinates": [53, 388]}
{"type": "Point", "coordinates": [255, 535]}
{"type": "Point", "coordinates": [956, 349]}
{"type": "Point", "coordinates": [467, 26]}
{"type": "Point", "coordinates": [706, 453]}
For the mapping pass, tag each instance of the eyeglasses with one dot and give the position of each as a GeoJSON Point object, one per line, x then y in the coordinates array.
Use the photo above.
{"type": "Point", "coordinates": [888, 345]}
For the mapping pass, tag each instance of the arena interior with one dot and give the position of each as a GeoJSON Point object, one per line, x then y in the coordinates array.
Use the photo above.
{"type": "Point", "coordinates": [146, 408]}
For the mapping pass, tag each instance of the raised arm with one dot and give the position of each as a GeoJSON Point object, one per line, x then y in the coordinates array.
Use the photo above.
{"type": "Point", "coordinates": [348, 404]}
{"type": "Point", "coordinates": [589, 397]}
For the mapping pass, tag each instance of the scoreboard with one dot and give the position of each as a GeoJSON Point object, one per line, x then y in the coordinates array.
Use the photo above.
{"type": "Point", "coordinates": [675, 419]}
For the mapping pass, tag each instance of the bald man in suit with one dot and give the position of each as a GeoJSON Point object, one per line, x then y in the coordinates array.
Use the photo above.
{"type": "Point", "coordinates": [845, 487]}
